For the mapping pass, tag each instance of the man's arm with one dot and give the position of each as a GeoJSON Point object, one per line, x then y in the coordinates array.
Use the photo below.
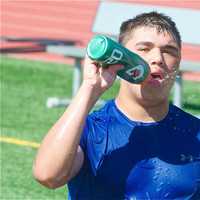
{"type": "Point", "coordinates": [60, 157]}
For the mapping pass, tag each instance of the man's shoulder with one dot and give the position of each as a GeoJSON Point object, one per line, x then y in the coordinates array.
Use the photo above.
{"type": "Point", "coordinates": [98, 120]}
{"type": "Point", "coordinates": [104, 112]}
{"type": "Point", "coordinates": [184, 118]}
{"type": "Point", "coordinates": [183, 114]}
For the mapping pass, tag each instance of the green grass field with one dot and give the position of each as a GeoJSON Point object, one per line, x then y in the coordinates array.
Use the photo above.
{"type": "Point", "coordinates": [25, 87]}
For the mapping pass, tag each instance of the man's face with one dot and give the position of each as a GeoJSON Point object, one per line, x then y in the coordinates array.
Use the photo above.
{"type": "Point", "coordinates": [162, 53]}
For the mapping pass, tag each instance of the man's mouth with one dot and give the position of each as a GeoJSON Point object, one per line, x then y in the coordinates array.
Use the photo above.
{"type": "Point", "coordinates": [156, 76]}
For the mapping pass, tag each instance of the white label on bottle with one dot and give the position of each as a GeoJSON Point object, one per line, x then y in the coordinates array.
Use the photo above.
{"type": "Point", "coordinates": [136, 72]}
{"type": "Point", "coordinates": [115, 57]}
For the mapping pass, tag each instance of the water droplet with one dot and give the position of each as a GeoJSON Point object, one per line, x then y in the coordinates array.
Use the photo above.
{"type": "Point", "coordinates": [155, 177]}
{"type": "Point", "coordinates": [167, 76]}
{"type": "Point", "coordinates": [161, 184]}
{"type": "Point", "coordinates": [167, 171]}
{"type": "Point", "coordinates": [132, 198]}
{"type": "Point", "coordinates": [154, 162]}
{"type": "Point", "coordinates": [157, 173]}
{"type": "Point", "coordinates": [166, 195]}
{"type": "Point", "coordinates": [158, 189]}
{"type": "Point", "coordinates": [148, 196]}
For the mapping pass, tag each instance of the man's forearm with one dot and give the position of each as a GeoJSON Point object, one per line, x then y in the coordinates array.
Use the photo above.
{"type": "Point", "coordinates": [58, 149]}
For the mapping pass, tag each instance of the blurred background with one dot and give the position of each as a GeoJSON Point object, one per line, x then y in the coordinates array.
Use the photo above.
{"type": "Point", "coordinates": [36, 65]}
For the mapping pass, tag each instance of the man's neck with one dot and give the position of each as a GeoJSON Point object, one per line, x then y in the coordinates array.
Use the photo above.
{"type": "Point", "coordinates": [145, 112]}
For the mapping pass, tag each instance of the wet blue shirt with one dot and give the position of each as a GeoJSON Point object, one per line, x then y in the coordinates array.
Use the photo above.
{"type": "Point", "coordinates": [126, 159]}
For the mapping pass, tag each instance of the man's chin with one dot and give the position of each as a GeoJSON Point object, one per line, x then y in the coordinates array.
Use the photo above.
{"type": "Point", "coordinates": [154, 94]}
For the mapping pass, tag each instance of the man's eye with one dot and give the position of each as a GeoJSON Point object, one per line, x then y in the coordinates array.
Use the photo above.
{"type": "Point", "coordinates": [143, 49]}
{"type": "Point", "coordinates": [170, 52]}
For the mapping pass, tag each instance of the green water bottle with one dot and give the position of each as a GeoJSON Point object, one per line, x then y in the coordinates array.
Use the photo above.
{"type": "Point", "coordinates": [106, 52]}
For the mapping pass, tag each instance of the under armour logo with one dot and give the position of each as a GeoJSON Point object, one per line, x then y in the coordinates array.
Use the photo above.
{"type": "Point", "coordinates": [189, 158]}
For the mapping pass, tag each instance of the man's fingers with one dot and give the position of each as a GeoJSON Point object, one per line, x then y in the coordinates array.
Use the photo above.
{"type": "Point", "coordinates": [117, 67]}
{"type": "Point", "coordinates": [113, 68]}
{"type": "Point", "coordinates": [90, 68]}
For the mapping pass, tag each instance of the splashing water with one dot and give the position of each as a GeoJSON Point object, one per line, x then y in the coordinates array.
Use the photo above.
{"type": "Point", "coordinates": [166, 195]}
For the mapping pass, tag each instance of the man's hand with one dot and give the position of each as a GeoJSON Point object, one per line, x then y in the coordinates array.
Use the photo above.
{"type": "Point", "coordinates": [99, 77]}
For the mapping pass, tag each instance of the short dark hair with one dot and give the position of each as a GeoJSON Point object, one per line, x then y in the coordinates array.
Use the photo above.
{"type": "Point", "coordinates": [152, 19]}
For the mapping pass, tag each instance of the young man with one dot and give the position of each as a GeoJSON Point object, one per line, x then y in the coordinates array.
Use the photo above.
{"type": "Point", "coordinates": [138, 146]}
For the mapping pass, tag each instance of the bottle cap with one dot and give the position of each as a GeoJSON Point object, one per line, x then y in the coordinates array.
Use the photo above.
{"type": "Point", "coordinates": [97, 47]}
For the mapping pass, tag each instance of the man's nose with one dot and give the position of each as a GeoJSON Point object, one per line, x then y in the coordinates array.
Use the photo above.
{"type": "Point", "coordinates": [156, 57]}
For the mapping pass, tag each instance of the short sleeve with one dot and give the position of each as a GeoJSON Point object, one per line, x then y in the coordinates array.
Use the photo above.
{"type": "Point", "coordinates": [84, 135]}
{"type": "Point", "coordinates": [93, 141]}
